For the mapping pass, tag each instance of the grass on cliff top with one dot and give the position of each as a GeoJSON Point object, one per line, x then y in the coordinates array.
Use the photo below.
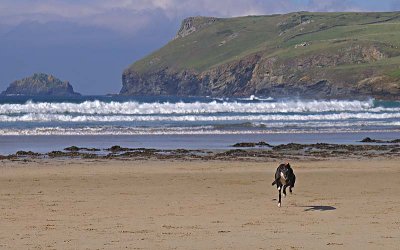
{"type": "Point", "coordinates": [233, 38]}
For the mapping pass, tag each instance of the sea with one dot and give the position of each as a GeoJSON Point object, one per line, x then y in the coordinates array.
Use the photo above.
{"type": "Point", "coordinates": [43, 124]}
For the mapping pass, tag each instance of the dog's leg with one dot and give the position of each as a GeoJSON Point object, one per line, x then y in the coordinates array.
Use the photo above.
{"type": "Point", "coordinates": [280, 198]}
{"type": "Point", "coordinates": [284, 190]}
{"type": "Point", "coordinates": [292, 182]}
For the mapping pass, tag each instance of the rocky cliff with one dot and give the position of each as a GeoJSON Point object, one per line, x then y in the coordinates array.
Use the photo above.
{"type": "Point", "coordinates": [311, 55]}
{"type": "Point", "coordinates": [40, 84]}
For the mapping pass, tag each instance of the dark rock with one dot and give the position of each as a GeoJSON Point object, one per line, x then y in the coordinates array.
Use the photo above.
{"type": "Point", "coordinates": [54, 154]}
{"type": "Point", "coordinates": [369, 140]}
{"type": "Point", "coordinates": [118, 148]}
{"type": "Point", "coordinates": [40, 84]}
{"type": "Point", "coordinates": [147, 153]}
{"type": "Point", "coordinates": [290, 146]}
{"type": "Point", "coordinates": [263, 143]}
{"type": "Point", "coordinates": [26, 153]}
{"type": "Point", "coordinates": [234, 152]}
{"type": "Point", "coordinates": [91, 149]}
{"type": "Point", "coordinates": [250, 144]}
{"type": "Point", "coordinates": [89, 156]}
{"type": "Point", "coordinates": [72, 148]}
{"type": "Point", "coordinates": [181, 151]}
{"type": "Point", "coordinates": [244, 145]}
{"type": "Point", "coordinates": [76, 149]}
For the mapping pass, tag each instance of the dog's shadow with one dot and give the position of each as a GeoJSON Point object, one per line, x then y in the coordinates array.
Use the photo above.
{"type": "Point", "coordinates": [318, 208]}
{"type": "Point", "coordinates": [315, 208]}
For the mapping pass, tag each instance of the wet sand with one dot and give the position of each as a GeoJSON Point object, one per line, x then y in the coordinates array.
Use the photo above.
{"type": "Point", "coordinates": [153, 204]}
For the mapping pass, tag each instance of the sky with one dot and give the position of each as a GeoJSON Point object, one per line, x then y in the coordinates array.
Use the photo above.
{"type": "Point", "coordinates": [90, 42]}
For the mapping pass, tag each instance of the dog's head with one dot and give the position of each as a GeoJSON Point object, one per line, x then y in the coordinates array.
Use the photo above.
{"type": "Point", "coordinates": [285, 170]}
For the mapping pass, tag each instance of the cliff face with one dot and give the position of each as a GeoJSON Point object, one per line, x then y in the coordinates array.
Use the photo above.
{"type": "Point", "coordinates": [300, 55]}
{"type": "Point", "coordinates": [40, 84]}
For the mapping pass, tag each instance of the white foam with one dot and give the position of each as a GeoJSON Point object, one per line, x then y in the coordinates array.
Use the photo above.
{"type": "Point", "coordinates": [35, 117]}
{"type": "Point", "coordinates": [326, 124]}
{"type": "Point", "coordinates": [182, 118]}
{"type": "Point", "coordinates": [255, 98]}
{"type": "Point", "coordinates": [163, 131]}
{"type": "Point", "coordinates": [136, 108]}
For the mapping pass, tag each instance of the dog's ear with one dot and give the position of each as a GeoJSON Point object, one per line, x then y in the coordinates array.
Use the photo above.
{"type": "Point", "coordinates": [287, 165]}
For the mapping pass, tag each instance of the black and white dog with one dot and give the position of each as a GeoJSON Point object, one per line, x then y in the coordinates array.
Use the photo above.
{"type": "Point", "coordinates": [284, 177]}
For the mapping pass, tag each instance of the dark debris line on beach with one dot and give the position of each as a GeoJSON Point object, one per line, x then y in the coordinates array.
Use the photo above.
{"type": "Point", "coordinates": [294, 151]}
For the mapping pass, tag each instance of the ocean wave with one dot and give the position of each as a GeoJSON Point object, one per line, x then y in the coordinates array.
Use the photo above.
{"type": "Point", "coordinates": [255, 98]}
{"type": "Point", "coordinates": [136, 108]}
{"type": "Point", "coordinates": [194, 118]}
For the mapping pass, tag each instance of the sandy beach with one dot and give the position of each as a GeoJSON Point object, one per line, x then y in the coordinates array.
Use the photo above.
{"type": "Point", "coordinates": [114, 204]}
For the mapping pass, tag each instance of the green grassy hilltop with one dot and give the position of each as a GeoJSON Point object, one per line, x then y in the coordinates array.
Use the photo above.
{"type": "Point", "coordinates": [336, 50]}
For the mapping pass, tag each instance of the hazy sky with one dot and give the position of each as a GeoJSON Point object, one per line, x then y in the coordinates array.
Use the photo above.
{"type": "Point", "coordinates": [90, 42]}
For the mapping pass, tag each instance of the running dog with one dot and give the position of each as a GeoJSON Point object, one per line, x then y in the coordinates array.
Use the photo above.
{"type": "Point", "coordinates": [284, 177]}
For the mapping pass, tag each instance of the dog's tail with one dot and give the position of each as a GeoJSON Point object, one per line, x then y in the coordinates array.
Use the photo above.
{"type": "Point", "coordinates": [273, 183]}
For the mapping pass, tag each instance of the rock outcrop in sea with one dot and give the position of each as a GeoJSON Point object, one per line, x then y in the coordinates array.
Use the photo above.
{"type": "Point", "coordinates": [40, 84]}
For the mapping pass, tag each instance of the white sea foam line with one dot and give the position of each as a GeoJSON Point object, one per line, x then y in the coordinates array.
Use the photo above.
{"type": "Point", "coordinates": [192, 118]}
{"type": "Point", "coordinates": [61, 131]}
{"type": "Point", "coordinates": [280, 126]}
{"type": "Point", "coordinates": [126, 108]}
{"type": "Point", "coordinates": [318, 124]}
{"type": "Point", "coordinates": [255, 98]}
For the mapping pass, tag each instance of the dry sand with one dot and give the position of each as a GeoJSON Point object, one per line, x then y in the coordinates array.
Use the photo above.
{"type": "Point", "coordinates": [80, 204]}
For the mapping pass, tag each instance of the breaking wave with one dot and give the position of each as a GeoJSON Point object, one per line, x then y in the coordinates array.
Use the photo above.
{"type": "Point", "coordinates": [198, 116]}
{"type": "Point", "coordinates": [137, 108]}
{"type": "Point", "coordinates": [33, 117]}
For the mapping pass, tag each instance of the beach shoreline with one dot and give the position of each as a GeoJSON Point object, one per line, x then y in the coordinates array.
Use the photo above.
{"type": "Point", "coordinates": [47, 143]}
